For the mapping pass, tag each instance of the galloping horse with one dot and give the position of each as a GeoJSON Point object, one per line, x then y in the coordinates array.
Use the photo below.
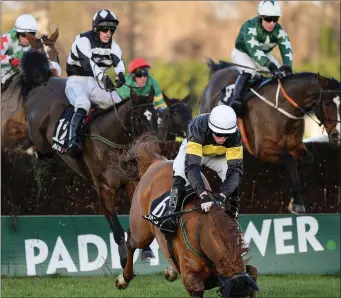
{"type": "Point", "coordinates": [13, 123]}
{"type": "Point", "coordinates": [176, 119]}
{"type": "Point", "coordinates": [107, 134]}
{"type": "Point", "coordinates": [273, 124]}
{"type": "Point", "coordinates": [207, 250]}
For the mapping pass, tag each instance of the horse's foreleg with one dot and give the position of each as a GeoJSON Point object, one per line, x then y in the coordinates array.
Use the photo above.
{"type": "Point", "coordinates": [296, 205]}
{"type": "Point", "coordinates": [107, 196]}
{"type": "Point", "coordinates": [123, 280]}
{"type": "Point", "coordinates": [147, 252]}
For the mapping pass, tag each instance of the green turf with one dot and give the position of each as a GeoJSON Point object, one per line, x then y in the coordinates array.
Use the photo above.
{"type": "Point", "coordinates": [157, 286]}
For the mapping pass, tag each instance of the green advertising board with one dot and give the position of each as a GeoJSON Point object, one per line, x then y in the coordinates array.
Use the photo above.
{"type": "Point", "coordinates": [84, 245]}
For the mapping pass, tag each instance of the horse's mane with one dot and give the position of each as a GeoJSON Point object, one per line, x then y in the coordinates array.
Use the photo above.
{"type": "Point", "coordinates": [231, 235]}
{"type": "Point", "coordinates": [101, 112]}
{"type": "Point", "coordinates": [213, 66]}
{"type": "Point", "coordinates": [135, 161]}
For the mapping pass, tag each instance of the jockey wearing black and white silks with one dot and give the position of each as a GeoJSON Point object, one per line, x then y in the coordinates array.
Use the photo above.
{"type": "Point", "coordinates": [92, 53]}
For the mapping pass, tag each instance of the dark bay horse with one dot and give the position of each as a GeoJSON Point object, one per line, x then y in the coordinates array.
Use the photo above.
{"type": "Point", "coordinates": [13, 123]}
{"type": "Point", "coordinates": [176, 119]}
{"type": "Point", "coordinates": [273, 124]}
{"type": "Point", "coordinates": [211, 254]}
{"type": "Point", "coordinates": [108, 133]}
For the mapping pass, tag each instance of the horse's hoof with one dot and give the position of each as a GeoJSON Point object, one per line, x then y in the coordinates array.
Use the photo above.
{"type": "Point", "coordinates": [122, 251]}
{"type": "Point", "coordinates": [147, 255]}
{"type": "Point", "coordinates": [170, 274]}
{"type": "Point", "coordinates": [121, 283]}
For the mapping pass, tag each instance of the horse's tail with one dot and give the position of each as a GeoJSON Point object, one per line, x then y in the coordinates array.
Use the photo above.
{"type": "Point", "coordinates": [35, 68]}
{"type": "Point", "coordinates": [213, 66]}
{"type": "Point", "coordinates": [137, 159]}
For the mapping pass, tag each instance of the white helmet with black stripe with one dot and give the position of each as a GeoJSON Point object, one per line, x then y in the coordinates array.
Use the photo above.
{"type": "Point", "coordinates": [223, 120]}
{"type": "Point", "coordinates": [104, 18]}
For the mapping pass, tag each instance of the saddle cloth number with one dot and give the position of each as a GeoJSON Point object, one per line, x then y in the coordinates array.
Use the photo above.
{"type": "Point", "coordinates": [159, 207]}
{"type": "Point", "coordinates": [227, 94]}
{"type": "Point", "coordinates": [61, 131]}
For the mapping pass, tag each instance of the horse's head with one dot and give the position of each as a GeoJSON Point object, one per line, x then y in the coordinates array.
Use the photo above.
{"type": "Point", "coordinates": [46, 44]}
{"type": "Point", "coordinates": [144, 117]}
{"type": "Point", "coordinates": [328, 108]}
{"type": "Point", "coordinates": [180, 115]}
{"type": "Point", "coordinates": [221, 241]}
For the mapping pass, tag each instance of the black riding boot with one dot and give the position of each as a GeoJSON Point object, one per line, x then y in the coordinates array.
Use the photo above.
{"type": "Point", "coordinates": [175, 201]}
{"type": "Point", "coordinates": [75, 142]}
{"type": "Point", "coordinates": [237, 96]}
{"type": "Point", "coordinates": [232, 204]}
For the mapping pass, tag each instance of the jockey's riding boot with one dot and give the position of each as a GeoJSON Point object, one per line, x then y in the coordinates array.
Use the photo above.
{"type": "Point", "coordinates": [75, 142]}
{"type": "Point", "coordinates": [176, 196]}
{"type": "Point", "coordinates": [237, 96]}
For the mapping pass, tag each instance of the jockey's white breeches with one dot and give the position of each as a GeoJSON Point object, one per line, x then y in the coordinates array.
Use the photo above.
{"type": "Point", "coordinates": [217, 163]}
{"type": "Point", "coordinates": [244, 59]}
{"type": "Point", "coordinates": [82, 91]}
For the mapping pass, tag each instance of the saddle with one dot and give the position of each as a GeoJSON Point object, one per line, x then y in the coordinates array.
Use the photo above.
{"type": "Point", "coordinates": [61, 130]}
{"type": "Point", "coordinates": [160, 206]}
{"type": "Point", "coordinates": [256, 84]}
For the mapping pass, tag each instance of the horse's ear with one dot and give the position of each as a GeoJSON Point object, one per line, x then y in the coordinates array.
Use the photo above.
{"type": "Point", "coordinates": [54, 36]}
{"type": "Point", "coordinates": [32, 40]}
{"type": "Point", "coordinates": [166, 99]}
{"type": "Point", "coordinates": [321, 80]}
{"type": "Point", "coordinates": [133, 95]}
{"type": "Point", "coordinates": [152, 92]}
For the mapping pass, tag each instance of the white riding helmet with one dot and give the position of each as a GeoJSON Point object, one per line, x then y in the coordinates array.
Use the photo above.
{"type": "Point", "coordinates": [26, 23]}
{"type": "Point", "coordinates": [269, 8]}
{"type": "Point", "coordinates": [223, 120]}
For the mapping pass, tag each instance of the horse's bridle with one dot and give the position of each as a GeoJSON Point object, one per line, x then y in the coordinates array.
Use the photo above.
{"type": "Point", "coordinates": [44, 45]}
{"type": "Point", "coordinates": [134, 119]}
{"type": "Point", "coordinates": [319, 110]}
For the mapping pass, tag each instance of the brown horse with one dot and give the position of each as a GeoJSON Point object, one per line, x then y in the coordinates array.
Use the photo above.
{"type": "Point", "coordinates": [176, 119]}
{"type": "Point", "coordinates": [13, 123]}
{"type": "Point", "coordinates": [207, 250]}
{"type": "Point", "coordinates": [273, 124]}
{"type": "Point", "coordinates": [107, 134]}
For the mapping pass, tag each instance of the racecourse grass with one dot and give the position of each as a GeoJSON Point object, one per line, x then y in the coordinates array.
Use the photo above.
{"type": "Point", "coordinates": [157, 286]}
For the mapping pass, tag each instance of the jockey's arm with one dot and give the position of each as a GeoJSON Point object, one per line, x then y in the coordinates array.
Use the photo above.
{"type": "Point", "coordinates": [159, 102]}
{"type": "Point", "coordinates": [193, 158]}
{"type": "Point", "coordinates": [5, 59]}
{"type": "Point", "coordinates": [83, 48]}
{"type": "Point", "coordinates": [116, 56]}
{"type": "Point", "coordinates": [234, 157]}
{"type": "Point", "coordinates": [284, 47]}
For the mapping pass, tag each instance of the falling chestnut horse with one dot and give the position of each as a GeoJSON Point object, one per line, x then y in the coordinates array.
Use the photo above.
{"type": "Point", "coordinates": [207, 250]}
{"type": "Point", "coordinates": [273, 123]}
{"type": "Point", "coordinates": [13, 123]}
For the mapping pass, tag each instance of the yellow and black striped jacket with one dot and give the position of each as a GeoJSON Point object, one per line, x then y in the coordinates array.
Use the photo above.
{"type": "Point", "coordinates": [200, 143]}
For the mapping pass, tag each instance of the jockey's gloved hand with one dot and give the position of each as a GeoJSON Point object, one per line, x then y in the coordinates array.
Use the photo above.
{"type": "Point", "coordinates": [286, 68]}
{"type": "Point", "coordinates": [15, 62]}
{"type": "Point", "coordinates": [120, 80]}
{"type": "Point", "coordinates": [276, 73]}
{"type": "Point", "coordinates": [206, 202]}
{"type": "Point", "coordinates": [108, 84]}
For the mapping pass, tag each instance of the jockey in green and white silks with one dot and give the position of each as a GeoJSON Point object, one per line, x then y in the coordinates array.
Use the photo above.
{"type": "Point", "coordinates": [255, 41]}
{"type": "Point", "coordinates": [13, 45]}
